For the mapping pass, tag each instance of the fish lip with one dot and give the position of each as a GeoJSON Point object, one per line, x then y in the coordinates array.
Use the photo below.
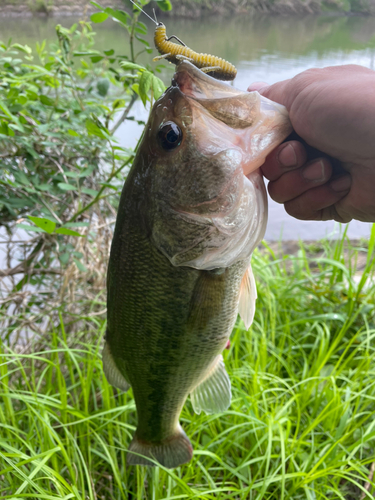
{"type": "Point", "coordinates": [196, 84]}
{"type": "Point", "coordinates": [230, 106]}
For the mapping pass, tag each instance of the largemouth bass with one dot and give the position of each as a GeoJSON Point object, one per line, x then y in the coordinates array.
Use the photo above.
{"type": "Point", "coordinates": [192, 210]}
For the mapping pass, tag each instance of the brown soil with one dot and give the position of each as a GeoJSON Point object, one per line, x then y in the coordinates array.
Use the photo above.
{"type": "Point", "coordinates": [53, 7]}
{"type": "Point", "coordinates": [187, 8]}
{"type": "Point", "coordinates": [315, 250]}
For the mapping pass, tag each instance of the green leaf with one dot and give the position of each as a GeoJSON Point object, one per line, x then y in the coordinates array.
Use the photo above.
{"type": "Point", "coordinates": [164, 5]}
{"type": "Point", "coordinates": [130, 65]}
{"type": "Point", "coordinates": [23, 48]}
{"type": "Point", "coordinates": [89, 191]}
{"type": "Point", "coordinates": [96, 59]}
{"type": "Point", "coordinates": [69, 232]}
{"type": "Point", "coordinates": [66, 187]}
{"type": "Point", "coordinates": [73, 133]}
{"type": "Point", "coordinates": [6, 111]}
{"type": "Point", "coordinates": [145, 85]}
{"type": "Point", "coordinates": [22, 100]}
{"type": "Point", "coordinates": [74, 175]}
{"type": "Point", "coordinates": [46, 100]}
{"type": "Point", "coordinates": [145, 42]}
{"type": "Point", "coordinates": [158, 87]}
{"type": "Point", "coordinates": [141, 28]}
{"type": "Point", "coordinates": [87, 171]}
{"type": "Point", "coordinates": [118, 103]}
{"type": "Point", "coordinates": [110, 186]}
{"type": "Point", "coordinates": [80, 266]}
{"type": "Point", "coordinates": [118, 15]}
{"type": "Point", "coordinates": [93, 129]}
{"type": "Point", "coordinates": [44, 187]}
{"type": "Point", "coordinates": [99, 17]}
{"type": "Point", "coordinates": [45, 224]}
{"type": "Point", "coordinates": [64, 257]}
{"type": "Point", "coordinates": [33, 96]}
{"type": "Point", "coordinates": [109, 52]}
{"type": "Point", "coordinates": [97, 5]}
{"type": "Point", "coordinates": [135, 88]}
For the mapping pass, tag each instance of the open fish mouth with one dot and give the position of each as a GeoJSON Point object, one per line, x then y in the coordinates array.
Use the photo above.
{"type": "Point", "coordinates": [258, 124]}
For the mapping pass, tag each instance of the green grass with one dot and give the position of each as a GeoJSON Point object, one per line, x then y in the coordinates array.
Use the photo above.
{"type": "Point", "coordinates": [301, 424]}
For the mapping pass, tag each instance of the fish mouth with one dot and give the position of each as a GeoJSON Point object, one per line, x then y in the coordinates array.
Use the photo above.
{"type": "Point", "coordinates": [252, 123]}
{"type": "Point", "coordinates": [194, 83]}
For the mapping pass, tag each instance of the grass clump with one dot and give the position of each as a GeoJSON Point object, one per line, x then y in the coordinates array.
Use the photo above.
{"type": "Point", "coordinates": [301, 424]}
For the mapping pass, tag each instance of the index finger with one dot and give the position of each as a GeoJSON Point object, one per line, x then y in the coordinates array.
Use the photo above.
{"type": "Point", "coordinates": [288, 156]}
{"type": "Point", "coordinates": [277, 92]}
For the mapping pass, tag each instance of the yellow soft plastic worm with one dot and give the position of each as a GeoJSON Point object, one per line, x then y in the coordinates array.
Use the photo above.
{"type": "Point", "coordinates": [176, 52]}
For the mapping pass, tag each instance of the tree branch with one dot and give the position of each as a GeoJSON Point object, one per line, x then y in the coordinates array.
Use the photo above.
{"type": "Point", "coordinates": [20, 269]}
{"type": "Point", "coordinates": [125, 113]}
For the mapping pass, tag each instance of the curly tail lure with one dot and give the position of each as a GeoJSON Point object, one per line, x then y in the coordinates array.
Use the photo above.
{"type": "Point", "coordinates": [177, 52]}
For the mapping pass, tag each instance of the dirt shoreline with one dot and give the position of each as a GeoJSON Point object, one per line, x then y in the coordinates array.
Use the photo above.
{"type": "Point", "coordinates": [315, 249]}
{"type": "Point", "coordinates": [44, 8]}
{"type": "Point", "coordinates": [190, 8]}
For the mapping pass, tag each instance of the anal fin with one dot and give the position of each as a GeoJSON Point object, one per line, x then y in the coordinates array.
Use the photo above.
{"type": "Point", "coordinates": [248, 296]}
{"type": "Point", "coordinates": [213, 394]}
{"type": "Point", "coordinates": [112, 373]}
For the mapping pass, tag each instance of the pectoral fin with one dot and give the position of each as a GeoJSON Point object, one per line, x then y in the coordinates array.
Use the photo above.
{"type": "Point", "coordinates": [213, 394]}
{"type": "Point", "coordinates": [248, 295]}
{"type": "Point", "coordinates": [112, 373]}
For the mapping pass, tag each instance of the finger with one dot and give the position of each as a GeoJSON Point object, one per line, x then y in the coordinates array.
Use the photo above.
{"type": "Point", "coordinates": [278, 92]}
{"type": "Point", "coordinates": [296, 182]}
{"type": "Point", "coordinates": [319, 203]}
{"type": "Point", "coordinates": [257, 86]}
{"type": "Point", "coordinates": [288, 156]}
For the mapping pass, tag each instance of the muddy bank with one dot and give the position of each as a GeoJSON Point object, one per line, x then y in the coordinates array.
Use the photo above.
{"type": "Point", "coordinates": [314, 250]}
{"type": "Point", "coordinates": [197, 8]}
{"type": "Point", "coordinates": [193, 8]}
{"type": "Point", "coordinates": [53, 8]}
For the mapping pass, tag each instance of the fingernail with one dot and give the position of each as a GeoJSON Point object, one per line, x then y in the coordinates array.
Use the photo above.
{"type": "Point", "coordinates": [257, 86]}
{"type": "Point", "coordinates": [341, 184]}
{"type": "Point", "coordinates": [314, 172]}
{"type": "Point", "coordinates": [287, 156]}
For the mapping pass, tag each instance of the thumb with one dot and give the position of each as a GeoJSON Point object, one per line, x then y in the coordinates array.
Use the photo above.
{"type": "Point", "coordinates": [257, 86]}
{"type": "Point", "coordinates": [277, 92]}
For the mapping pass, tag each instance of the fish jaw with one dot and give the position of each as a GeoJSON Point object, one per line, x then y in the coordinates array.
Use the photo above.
{"type": "Point", "coordinates": [258, 124]}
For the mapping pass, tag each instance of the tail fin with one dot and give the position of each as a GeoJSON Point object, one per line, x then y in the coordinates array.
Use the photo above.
{"type": "Point", "coordinates": [170, 453]}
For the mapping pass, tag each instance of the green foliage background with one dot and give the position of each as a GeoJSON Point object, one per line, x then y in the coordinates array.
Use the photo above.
{"type": "Point", "coordinates": [61, 167]}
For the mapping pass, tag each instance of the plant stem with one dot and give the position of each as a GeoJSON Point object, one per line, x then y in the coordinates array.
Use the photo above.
{"type": "Point", "coordinates": [125, 114]}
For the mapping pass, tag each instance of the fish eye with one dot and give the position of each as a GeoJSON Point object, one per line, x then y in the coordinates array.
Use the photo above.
{"type": "Point", "coordinates": [169, 136]}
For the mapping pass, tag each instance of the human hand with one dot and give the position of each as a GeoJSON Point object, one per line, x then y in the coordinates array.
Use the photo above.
{"type": "Point", "coordinates": [333, 110]}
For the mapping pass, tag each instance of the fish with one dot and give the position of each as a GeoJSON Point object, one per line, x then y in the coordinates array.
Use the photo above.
{"type": "Point", "coordinates": [192, 210]}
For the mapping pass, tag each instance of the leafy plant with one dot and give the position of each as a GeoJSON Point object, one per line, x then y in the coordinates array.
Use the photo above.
{"type": "Point", "coordinates": [60, 161]}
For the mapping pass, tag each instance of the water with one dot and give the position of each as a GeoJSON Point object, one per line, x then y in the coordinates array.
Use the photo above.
{"type": "Point", "coordinates": [268, 48]}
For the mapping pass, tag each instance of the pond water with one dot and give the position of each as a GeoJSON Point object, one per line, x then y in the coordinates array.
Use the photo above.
{"type": "Point", "coordinates": [267, 48]}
